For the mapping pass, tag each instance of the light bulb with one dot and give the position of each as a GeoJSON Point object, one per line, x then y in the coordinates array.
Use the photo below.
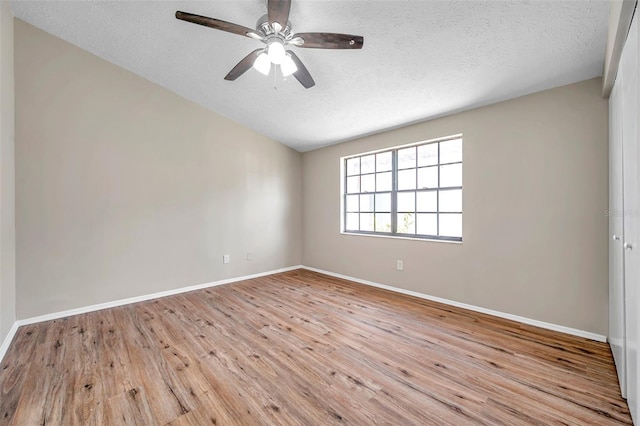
{"type": "Point", "coordinates": [276, 52]}
{"type": "Point", "coordinates": [287, 66]}
{"type": "Point", "coordinates": [262, 63]}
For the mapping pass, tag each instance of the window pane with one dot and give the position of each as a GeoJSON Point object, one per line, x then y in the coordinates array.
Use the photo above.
{"type": "Point", "coordinates": [427, 224]}
{"type": "Point", "coordinates": [451, 175]}
{"type": "Point", "coordinates": [407, 158]}
{"type": "Point", "coordinates": [353, 166]}
{"type": "Point", "coordinates": [352, 222]}
{"type": "Point", "coordinates": [406, 223]}
{"type": "Point", "coordinates": [451, 225]}
{"type": "Point", "coordinates": [451, 151]}
{"type": "Point", "coordinates": [428, 155]}
{"type": "Point", "coordinates": [406, 201]}
{"type": "Point", "coordinates": [383, 203]}
{"type": "Point", "coordinates": [366, 203]}
{"type": "Point", "coordinates": [383, 222]}
{"type": "Point", "coordinates": [407, 179]}
{"type": "Point", "coordinates": [383, 181]}
{"type": "Point", "coordinates": [368, 183]}
{"type": "Point", "coordinates": [428, 178]}
{"type": "Point", "coordinates": [366, 221]}
{"type": "Point", "coordinates": [368, 164]}
{"type": "Point", "coordinates": [451, 201]}
{"type": "Point", "coordinates": [383, 161]}
{"type": "Point", "coordinates": [427, 201]}
{"type": "Point", "coordinates": [353, 184]}
{"type": "Point", "coordinates": [352, 203]}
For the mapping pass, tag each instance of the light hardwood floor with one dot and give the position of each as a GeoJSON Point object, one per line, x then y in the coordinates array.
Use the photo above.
{"type": "Point", "coordinates": [301, 348]}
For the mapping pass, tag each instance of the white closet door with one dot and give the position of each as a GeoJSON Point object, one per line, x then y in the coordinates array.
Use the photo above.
{"type": "Point", "coordinates": [630, 91]}
{"type": "Point", "coordinates": [616, 227]}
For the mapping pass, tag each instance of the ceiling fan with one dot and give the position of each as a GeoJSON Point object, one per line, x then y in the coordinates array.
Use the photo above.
{"type": "Point", "coordinates": [274, 30]}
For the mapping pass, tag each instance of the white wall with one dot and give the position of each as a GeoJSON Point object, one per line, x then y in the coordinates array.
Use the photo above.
{"type": "Point", "coordinates": [7, 169]}
{"type": "Point", "coordinates": [534, 200]}
{"type": "Point", "coordinates": [125, 189]}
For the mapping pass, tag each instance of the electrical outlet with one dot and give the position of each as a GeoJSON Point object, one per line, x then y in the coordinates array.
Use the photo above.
{"type": "Point", "coordinates": [399, 265]}
{"type": "Point", "coordinates": [226, 259]}
{"type": "Point", "coordinates": [249, 256]}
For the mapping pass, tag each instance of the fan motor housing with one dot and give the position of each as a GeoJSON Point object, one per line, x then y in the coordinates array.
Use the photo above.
{"type": "Point", "coordinates": [263, 26]}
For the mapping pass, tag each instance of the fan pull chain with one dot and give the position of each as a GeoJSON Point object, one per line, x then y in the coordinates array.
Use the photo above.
{"type": "Point", "coordinates": [275, 77]}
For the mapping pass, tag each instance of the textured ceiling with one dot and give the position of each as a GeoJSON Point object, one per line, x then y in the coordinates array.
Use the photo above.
{"type": "Point", "coordinates": [421, 59]}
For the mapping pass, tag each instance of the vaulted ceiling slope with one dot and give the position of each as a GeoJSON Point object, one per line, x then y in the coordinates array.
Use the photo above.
{"type": "Point", "coordinates": [421, 59]}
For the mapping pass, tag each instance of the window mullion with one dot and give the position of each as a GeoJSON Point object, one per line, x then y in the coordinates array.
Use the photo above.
{"type": "Point", "coordinates": [415, 198]}
{"type": "Point", "coordinates": [359, 206]}
{"type": "Point", "coordinates": [438, 196]}
{"type": "Point", "coordinates": [394, 191]}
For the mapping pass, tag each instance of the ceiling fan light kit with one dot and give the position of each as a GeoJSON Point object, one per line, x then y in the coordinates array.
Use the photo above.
{"type": "Point", "coordinates": [274, 30]}
{"type": "Point", "coordinates": [262, 63]}
{"type": "Point", "coordinates": [288, 67]}
{"type": "Point", "coordinates": [276, 52]}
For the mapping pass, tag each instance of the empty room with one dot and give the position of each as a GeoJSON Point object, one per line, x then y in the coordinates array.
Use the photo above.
{"type": "Point", "coordinates": [305, 212]}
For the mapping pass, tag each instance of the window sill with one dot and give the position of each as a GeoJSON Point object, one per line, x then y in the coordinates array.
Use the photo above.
{"type": "Point", "coordinates": [395, 237]}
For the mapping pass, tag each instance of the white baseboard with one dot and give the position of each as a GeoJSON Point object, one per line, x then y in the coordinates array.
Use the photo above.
{"type": "Point", "coordinates": [121, 302]}
{"type": "Point", "coordinates": [524, 320]}
{"type": "Point", "coordinates": [56, 315]}
{"type": "Point", "coordinates": [8, 339]}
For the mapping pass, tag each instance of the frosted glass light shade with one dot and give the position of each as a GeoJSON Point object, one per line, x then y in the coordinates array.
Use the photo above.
{"type": "Point", "coordinates": [276, 52]}
{"type": "Point", "coordinates": [287, 66]}
{"type": "Point", "coordinates": [262, 64]}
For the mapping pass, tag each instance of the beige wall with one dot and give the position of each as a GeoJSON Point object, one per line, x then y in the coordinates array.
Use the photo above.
{"type": "Point", "coordinates": [7, 169]}
{"type": "Point", "coordinates": [535, 195]}
{"type": "Point", "coordinates": [124, 188]}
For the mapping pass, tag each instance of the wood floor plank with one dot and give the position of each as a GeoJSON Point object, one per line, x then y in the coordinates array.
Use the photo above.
{"type": "Point", "coordinates": [302, 348]}
{"type": "Point", "coordinates": [15, 371]}
{"type": "Point", "coordinates": [127, 408]}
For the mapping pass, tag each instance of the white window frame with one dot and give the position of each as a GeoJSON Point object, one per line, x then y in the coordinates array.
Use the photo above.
{"type": "Point", "coordinates": [394, 191]}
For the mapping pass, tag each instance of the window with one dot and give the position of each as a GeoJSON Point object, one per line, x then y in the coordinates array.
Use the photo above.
{"type": "Point", "coordinates": [411, 191]}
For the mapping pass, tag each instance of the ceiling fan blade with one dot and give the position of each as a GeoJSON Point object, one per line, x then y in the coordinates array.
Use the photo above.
{"type": "Point", "coordinates": [214, 23]}
{"type": "Point", "coordinates": [243, 65]}
{"type": "Point", "coordinates": [330, 40]}
{"type": "Point", "coordinates": [302, 75]}
{"type": "Point", "coordinates": [279, 11]}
